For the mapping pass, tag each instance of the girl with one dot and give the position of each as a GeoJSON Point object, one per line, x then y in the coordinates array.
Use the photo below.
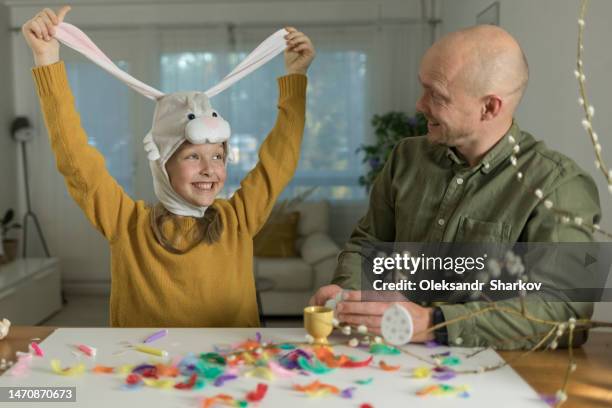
{"type": "Point", "coordinates": [169, 268]}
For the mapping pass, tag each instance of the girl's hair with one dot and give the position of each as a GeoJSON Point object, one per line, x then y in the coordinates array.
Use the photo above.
{"type": "Point", "coordinates": [208, 228]}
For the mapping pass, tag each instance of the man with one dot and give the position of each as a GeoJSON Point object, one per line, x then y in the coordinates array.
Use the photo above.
{"type": "Point", "coordinates": [458, 184]}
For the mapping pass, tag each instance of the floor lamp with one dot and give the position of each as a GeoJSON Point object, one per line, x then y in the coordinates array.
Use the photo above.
{"type": "Point", "coordinates": [22, 132]}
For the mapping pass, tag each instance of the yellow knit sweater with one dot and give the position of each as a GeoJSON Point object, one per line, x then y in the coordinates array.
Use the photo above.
{"type": "Point", "coordinates": [211, 285]}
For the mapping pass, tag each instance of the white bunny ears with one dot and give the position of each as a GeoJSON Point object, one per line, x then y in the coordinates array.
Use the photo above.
{"type": "Point", "coordinates": [74, 38]}
{"type": "Point", "coordinates": [175, 114]}
{"type": "Point", "coordinates": [179, 116]}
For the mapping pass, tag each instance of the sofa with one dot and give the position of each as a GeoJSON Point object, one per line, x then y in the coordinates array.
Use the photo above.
{"type": "Point", "coordinates": [291, 281]}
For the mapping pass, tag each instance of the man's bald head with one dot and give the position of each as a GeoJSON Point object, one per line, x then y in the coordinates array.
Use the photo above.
{"type": "Point", "coordinates": [483, 60]}
{"type": "Point", "coordinates": [472, 81]}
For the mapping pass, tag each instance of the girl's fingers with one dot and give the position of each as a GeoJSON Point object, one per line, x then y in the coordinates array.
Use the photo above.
{"type": "Point", "coordinates": [293, 35]}
{"type": "Point", "coordinates": [291, 45]}
{"type": "Point", "coordinates": [48, 25]}
{"type": "Point", "coordinates": [34, 27]}
{"type": "Point", "coordinates": [298, 41]}
{"type": "Point", "coordinates": [300, 48]}
{"type": "Point", "coordinates": [43, 26]}
{"type": "Point", "coordinates": [51, 15]}
{"type": "Point", "coordinates": [298, 37]}
{"type": "Point", "coordinates": [62, 13]}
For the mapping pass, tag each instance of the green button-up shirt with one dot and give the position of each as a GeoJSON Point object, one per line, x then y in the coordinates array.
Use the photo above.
{"type": "Point", "coordinates": [427, 193]}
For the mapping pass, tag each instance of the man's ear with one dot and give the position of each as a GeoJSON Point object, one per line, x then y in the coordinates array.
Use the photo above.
{"type": "Point", "coordinates": [491, 107]}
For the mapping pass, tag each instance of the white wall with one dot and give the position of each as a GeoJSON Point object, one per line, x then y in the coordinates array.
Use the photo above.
{"type": "Point", "coordinates": [8, 148]}
{"type": "Point", "coordinates": [548, 32]}
{"type": "Point", "coordinates": [188, 12]}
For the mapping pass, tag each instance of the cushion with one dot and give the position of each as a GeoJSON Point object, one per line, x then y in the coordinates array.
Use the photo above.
{"type": "Point", "coordinates": [292, 274]}
{"type": "Point", "coordinates": [277, 237]}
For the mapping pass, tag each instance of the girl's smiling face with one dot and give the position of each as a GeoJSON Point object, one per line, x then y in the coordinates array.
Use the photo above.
{"type": "Point", "coordinates": [197, 172]}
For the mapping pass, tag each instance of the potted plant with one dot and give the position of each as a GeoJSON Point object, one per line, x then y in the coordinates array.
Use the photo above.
{"type": "Point", "coordinates": [389, 129]}
{"type": "Point", "coordinates": [9, 245]}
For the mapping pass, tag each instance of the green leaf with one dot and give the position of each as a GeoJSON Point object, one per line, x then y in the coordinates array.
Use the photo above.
{"type": "Point", "coordinates": [389, 129]}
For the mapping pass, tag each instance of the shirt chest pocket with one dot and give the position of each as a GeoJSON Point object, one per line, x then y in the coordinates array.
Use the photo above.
{"type": "Point", "coordinates": [472, 230]}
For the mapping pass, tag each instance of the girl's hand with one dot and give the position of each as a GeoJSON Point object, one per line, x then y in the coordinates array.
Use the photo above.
{"type": "Point", "coordinates": [39, 32]}
{"type": "Point", "coordinates": [299, 52]}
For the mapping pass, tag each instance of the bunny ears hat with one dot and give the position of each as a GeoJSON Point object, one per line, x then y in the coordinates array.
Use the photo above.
{"type": "Point", "coordinates": [179, 116]}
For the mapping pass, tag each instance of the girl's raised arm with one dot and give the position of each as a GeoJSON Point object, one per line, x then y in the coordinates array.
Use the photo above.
{"type": "Point", "coordinates": [100, 197]}
{"type": "Point", "coordinates": [280, 152]}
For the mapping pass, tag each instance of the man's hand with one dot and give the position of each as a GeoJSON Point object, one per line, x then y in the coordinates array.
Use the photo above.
{"type": "Point", "coordinates": [39, 32]}
{"type": "Point", "coordinates": [355, 312]}
{"type": "Point", "coordinates": [324, 294]}
{"type": "Point", "coordinates": [299, 52]}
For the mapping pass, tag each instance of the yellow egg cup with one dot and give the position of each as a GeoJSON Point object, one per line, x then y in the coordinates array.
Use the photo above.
{"type": "Point", "coordinates": [318, 322]}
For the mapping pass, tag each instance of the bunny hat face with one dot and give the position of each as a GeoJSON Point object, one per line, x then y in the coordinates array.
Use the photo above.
{"type": "Point", "coordinates": [186, 116]}
{"type": "Point", "coordinates": [179, 116]}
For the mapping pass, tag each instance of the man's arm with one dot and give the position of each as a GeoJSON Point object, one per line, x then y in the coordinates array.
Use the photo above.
{"type": "Point", "coordinates": [378, 225]}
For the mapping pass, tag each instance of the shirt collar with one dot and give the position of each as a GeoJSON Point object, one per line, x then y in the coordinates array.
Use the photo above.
{"type": "Point", "coordinates": [454, 156]}
{"type": "Point", "coordinates": [502, 150]}
{"type": "Point", "coordinates": [499, 153]}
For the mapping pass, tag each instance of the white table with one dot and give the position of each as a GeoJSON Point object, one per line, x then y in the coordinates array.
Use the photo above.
{"type": "Point", "coordinates": [500, 388]}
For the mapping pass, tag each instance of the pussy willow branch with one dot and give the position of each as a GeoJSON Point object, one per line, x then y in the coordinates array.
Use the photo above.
{"type": "Point", "coordinates": [588, 112]}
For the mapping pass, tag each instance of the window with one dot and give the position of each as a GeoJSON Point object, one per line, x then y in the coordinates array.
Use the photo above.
{"type": "Point", "coordinates": [103, 104]}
